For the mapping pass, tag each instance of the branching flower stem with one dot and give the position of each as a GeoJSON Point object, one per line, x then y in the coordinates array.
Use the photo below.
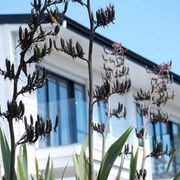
{"type": "Point", "coordinates": [21, 67]}
{"type": "Point", "coordinates": [13, 149]}
{"type": "Point", "coordinates": [108, 113]}
{"type": "Point", "coordinates": [146, 127]}
{"type": "Point", "coordinates": [10, 121]}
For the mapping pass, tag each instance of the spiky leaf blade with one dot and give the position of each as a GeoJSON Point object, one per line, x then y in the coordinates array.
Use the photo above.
{"type": "Point", "coordinates": [47, 170]}
{"type": "Point", "coordinates": [111, 155]}
{"type": "Point", "coordinates": [133, 164]}
{"type": "Point", "coordinates": [5, 150]}
{"type": "Point", "coordinates": [21, 173]}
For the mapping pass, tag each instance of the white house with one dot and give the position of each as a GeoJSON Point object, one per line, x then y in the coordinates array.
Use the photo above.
{"type": "Point", "coordinates": [66, 94]}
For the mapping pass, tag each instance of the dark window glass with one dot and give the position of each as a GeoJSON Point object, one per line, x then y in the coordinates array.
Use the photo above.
{"type": "Point", "coordinates": [53, 109]}
{"type": "Point", "coordinates": [168, 134]}
{"type": "Point", "coordinates": [176, 143]}
{"type": "Point", "coordinates": [66, 99]}
{"type": "Point", "coordinates": [80, 113]}
{"type": "Point", "coordinates": [42, 109]}
{"type": "Point", "coordinates": [42, 99]}
{"type": "Point", "coordinates": [102, 111]}
{"type": "Point", "coordinates": [99, 113]}
{"type": "Point", "coordinates": [139, 122]}
{"type": "Point", "coordinates": [65, 103]}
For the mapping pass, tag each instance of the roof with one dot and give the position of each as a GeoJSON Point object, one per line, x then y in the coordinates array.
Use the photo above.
{"type": "Point", "coordinates": [84, 31]}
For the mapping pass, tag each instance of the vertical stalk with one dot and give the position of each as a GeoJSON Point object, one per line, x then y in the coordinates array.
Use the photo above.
{"type": "Point", "coordinates": [105, 128]}
{"type": "Point", "coordinates": [12, 158]}
{"type": "Point", "coordinates": [146, 128]}
{"type": "Point", "coordinates": [10, 120]}
{"type": "Point", "coordinates": [103, 145]}
{"type": "Point", "coordinates": [90, 115]}
{"type": "Point", "coordinates": [90, 74]}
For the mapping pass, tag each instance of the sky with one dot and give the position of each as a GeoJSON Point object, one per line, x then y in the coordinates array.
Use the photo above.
{"type": "Point", "coordinates": [149, 28]}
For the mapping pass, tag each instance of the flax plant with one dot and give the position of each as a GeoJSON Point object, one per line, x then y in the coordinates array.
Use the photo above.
{"type": "Point", "coordinates": [115, 80]}
{"type": "Point", "coordinates": [31, 38]}
{"type": "Point", "coordinates": [101, 18]}
{"type": "Point", "coordinates": [151, 105]}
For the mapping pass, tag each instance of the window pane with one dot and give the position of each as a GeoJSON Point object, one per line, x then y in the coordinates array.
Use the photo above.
{"type": "Point", "coordinates": [42, 110]}
{"type": "Point", "coordinates": [99, 112]}
{"type": "Point", "coordinates": [176, 142]}
{"type": "Point", "coordinates": [139, 118]}
{"type": "Point", "coordinates": [66, 99]}
{"type": "Point", "coordinates": [64, 114]}
{"type": "Point", "coordinates": [139, 122]}
{"type": "Point", "coordinates": [164, 128]}
{"type": "Point", "coordinates": [95, 113]}
{"type": "Point", "coordinates": [157, 132]}
{"type": "Point", "coordinates": [42, 101]}
{"type": "Point", "coordinates": [80, 113]}
{"type": "Point", "coordinates": [163, 133]}
{"type": "Point", "coordinates": [102, 111]}
{"type": "Point", "coordinates": [53, 110]}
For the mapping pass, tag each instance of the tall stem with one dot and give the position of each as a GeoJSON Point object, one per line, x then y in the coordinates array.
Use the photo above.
{"type": "Point", "coordinates": [10, 120]}
{"type": "Point", "coordinates": [13, 149]}
{"type": "Point", "coordinates": [90, 110]}
{"type": "Point", "coordinates": [103, 145]}
{"type": "Point", "coordinates": [90, 71]}
{"type": "Point", "coordinates": [146, 128]}
{"type": "Point", "coordinates": [105, 128]}
{"type": "Point", "coordinates": [12, 137]}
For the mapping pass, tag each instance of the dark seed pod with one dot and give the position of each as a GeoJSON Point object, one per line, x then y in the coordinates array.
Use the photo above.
{"type": "Point", "coordinates": [56, 30]}
{"type": "Point", "coordinates": [56, 123]}
{"type": "Point", "coordinates": [20, 34]}
{"type": "Point", "coordinates": [62, 44]}
{"type": "Point", "coordinates": [79, 50]}
{"type": "Point", "coordinates": [22, 108]}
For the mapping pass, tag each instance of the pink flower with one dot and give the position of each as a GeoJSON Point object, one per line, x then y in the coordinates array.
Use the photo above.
{"type": "Point", "coordinates": [116, 45]}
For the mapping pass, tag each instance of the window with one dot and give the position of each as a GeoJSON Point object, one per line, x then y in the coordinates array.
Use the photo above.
{"type": "Point", "coordinates": [139, 122]}
{"type": "Point", "coordinates": [176, 144]}
{"type": "Point", "coordinates": [67, 99]}
{"type": "Point", "coordinates": [168, 134]}
{"type": "Point", "coordinates": [99, 112]}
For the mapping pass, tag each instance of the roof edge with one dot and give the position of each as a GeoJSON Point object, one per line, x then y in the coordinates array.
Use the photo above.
{"type": "Point", "coordinates": [75, 26]}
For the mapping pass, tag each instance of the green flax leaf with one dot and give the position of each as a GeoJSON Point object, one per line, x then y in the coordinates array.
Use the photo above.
{"type": "Point", "coordinates": [133, 164]}
{"type": "Point", "coordinates": [111, 155]}
{"type": "Point", "coordinates": [5, 150]}
{"type": "Point", "coordinates": [64, 170]}
{"type": "Point", "coordinates": [20, 170]}
{"type": "Point", "coordinates": [177, 177]}
{"type": "Point", "coordinates": [37, 169]}
{"type": "Point", "coordinates": [47, 170]}
{"type": "Point", "coordinates": [170, 161]}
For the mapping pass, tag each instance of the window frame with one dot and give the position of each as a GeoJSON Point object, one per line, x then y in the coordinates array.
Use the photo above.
{"type": "Point", "coordinates": [72, 107]}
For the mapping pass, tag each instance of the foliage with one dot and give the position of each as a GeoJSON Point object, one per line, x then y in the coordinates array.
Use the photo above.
{"type": "Point", "coordinates": [133, 164]}
{"type": "Point", "coordinates": [177, 176]}
{"type": "Point", "coordinates": [81, 164]}
{"type": "Point", "coordinates": [21, 170]}
{"type": "Point", "coordinates": [30, 39]}
{"type": "Point", "coordinates": [115, 80]}
{"type": "Point", "coordinates": [111, 155]}
{"type": "Point", "coordinates": [151, 107]}
{"type": "Point", "coordinates": [5, 150]}
{"type": "Point", "coordinates": [115, 77]}
{"type": "Point", "coordinates": [81, 161]}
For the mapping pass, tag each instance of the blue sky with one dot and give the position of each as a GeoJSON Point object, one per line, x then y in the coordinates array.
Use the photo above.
{"type": "Point", "coordinates": [149, 28]}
